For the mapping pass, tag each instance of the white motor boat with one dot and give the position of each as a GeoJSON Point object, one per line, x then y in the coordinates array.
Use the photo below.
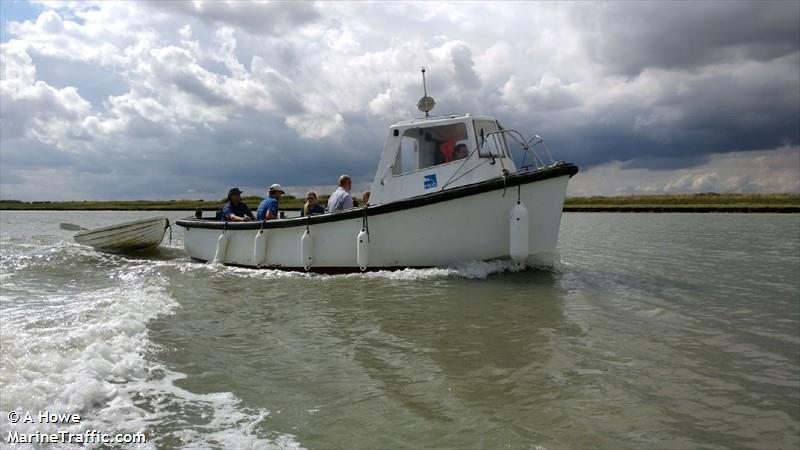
{"type": "Point", "coordinates": [429, 206]}
{"type": "Point", "coordinates": [135, 235]}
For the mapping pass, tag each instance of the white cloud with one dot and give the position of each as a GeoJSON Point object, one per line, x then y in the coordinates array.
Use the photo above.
{"type": "Point", "coordinates": [259, 17]}
{"type": "Point", "coordinates": [776, 170]}
{"type": "Point", "coordinates": [547, 95]}
{"type": "Point", "coordinates": [35, 109]}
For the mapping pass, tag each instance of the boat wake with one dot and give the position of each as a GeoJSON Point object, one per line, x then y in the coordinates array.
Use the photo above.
{"type": "Point", "coordinates": [467, 269]}
{"type": "Point", "coordinates": [76, 340]}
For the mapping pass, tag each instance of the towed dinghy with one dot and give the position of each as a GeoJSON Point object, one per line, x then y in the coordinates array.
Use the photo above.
{"type": "Point", "coordinates": [139, 234]}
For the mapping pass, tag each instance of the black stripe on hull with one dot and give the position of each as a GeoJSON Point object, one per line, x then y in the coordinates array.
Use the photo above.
{"type": "Point", "coordinates": [341, 270]}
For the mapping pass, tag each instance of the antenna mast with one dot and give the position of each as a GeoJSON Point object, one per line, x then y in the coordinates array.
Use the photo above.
{"type": "Point", "coordinates": [425, 104]}
{"type": "Point", "coordinates": [391, 97]}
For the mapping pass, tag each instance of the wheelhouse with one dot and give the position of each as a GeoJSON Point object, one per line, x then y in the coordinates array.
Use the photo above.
{"type": "Point", "coordinates": [432, 154]}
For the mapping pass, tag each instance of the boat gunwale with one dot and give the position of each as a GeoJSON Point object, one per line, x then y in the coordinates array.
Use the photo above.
{"type": "Point", "coordinates": [508, 181]}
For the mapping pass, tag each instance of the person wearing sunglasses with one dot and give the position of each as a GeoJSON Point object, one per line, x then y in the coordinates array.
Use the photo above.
{"type": "Point", "coordinates": [311, 206]}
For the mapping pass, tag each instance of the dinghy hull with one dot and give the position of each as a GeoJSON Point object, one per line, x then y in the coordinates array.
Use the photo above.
{"type": "Point", "coordinates": [129, 236]}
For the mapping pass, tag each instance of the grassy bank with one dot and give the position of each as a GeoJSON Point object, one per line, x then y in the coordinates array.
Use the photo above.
{"type": "Point", "coordinates": [640, 203]}
{"type": "Point", "coordinates": [707, 202]}
{"type": "Point", "coordinates": [287, 202]}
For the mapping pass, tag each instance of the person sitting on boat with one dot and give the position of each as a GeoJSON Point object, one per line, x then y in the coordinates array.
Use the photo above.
{"type": "Point", "coordinates": [268, 208]}
{"type": "Point", "coordinates": [365, 198]}
{"type": "Point", "coordinates": [460, 151]}
{"type": "Point", "coordinates": [445, 154]}
{"type": "Point", "coordinates": [341, 199]}
{"type": "Point", "coordinates": [311, 206]}
{"type": "Point", "coordinates": [235, 210]}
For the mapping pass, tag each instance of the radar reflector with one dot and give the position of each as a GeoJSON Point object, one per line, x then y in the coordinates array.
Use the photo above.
{"type": "Point", "coordinates": [426, 103]}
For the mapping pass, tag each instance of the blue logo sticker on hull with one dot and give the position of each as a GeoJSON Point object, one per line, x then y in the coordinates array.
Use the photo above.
{"type": "Point", "coordinates": [430, 181]}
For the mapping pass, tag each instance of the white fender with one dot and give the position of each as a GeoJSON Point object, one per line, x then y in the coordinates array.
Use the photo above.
{"type": "Point", "coordinates": [518, 237]}
{"type": "Point", "coordinates": [222, 247]}
{"type": "Point", "coordinates": [306, 249]}
{"type": "Point", "coordinates": [260, 248]}
{"type": "Point", "coordinates": [362, 249]}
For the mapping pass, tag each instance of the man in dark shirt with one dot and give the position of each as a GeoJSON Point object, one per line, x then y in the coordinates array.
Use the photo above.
{"type": "Point", "coordinates": [235, 210]}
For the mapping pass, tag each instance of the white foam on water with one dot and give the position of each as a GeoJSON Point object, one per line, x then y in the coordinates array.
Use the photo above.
{"type": "Point", "coordinates": [76, 354]}
{"type": "Point", "coordinates": [218, 419]}
{"type": "Point", "coordinates": [467, 269]}
{"type": "Point", "coordinates": [90, 354]}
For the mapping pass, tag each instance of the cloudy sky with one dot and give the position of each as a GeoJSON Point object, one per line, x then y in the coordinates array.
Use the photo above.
{"type": "Point", "coordinates": [170, 100]}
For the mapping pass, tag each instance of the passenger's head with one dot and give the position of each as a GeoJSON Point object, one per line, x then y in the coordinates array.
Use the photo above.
{"type": "Point", "coordinates": [365, 197]}
{"type": "Point", "coordinates": [275, 191]}
{"type": "Point", "coordinates": [311, 198]}
{"type": "Point", "coordinates": [234, 195]}
{"type": "Point", "coordinates": [460, 151]}
{"type": "Point", "coordinates": [345, 182]}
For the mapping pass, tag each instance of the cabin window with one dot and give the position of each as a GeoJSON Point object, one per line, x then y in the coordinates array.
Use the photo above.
{"type": "Point", "coordinates": [421, 148]}
{"type": "Point", "coordinates": [407, 156]}
{"type": "Point", "coordinates": [489, 144]}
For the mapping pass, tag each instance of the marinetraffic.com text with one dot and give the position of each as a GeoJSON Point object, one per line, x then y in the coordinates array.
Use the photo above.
{"type": "Point", "coordinates": [64, 436]}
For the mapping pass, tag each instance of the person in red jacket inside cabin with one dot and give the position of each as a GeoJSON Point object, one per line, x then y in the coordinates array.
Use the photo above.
{"type": "Point", "coordinates": [446, 151]}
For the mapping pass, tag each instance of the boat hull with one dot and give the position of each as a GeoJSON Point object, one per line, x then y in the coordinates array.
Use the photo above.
{"type": "Point", "coordinates": [438, 230]}
{"type": "Point", "coordinates": [129, 236]}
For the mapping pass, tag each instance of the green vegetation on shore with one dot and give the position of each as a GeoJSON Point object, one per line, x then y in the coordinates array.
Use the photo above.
{"type": "Point", "coordinates": [287, 202]}
{"type": "Point", "coordinates": [707, 202]}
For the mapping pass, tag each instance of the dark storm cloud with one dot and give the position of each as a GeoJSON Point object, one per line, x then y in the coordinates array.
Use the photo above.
{"type": "Point", "coordinates": [719, 77]}
{"type": "Point", "coordinates": [711, 116]}
{"type": "Point", "coordinates": [268, 151]}
{"type": "Point", "coordinates": [201, 91]}
{"type": "Point", "coordinates": [629, 37]}
{"type": "Point", "coordinates": [254, 151]}
{"type": "Point", "coordinates": [665, 163]}
{"type": "Point", "coordinates": [282, 93]}
{"type": "Point", "coordinates": [32, 154]}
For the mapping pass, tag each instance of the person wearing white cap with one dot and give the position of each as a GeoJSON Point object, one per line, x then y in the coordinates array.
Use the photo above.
{"type": "Point", "coordinates": [268, 208]}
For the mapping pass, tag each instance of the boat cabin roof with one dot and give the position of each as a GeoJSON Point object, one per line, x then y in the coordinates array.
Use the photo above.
{"type": "Point", "coordinates": [438, 120]}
